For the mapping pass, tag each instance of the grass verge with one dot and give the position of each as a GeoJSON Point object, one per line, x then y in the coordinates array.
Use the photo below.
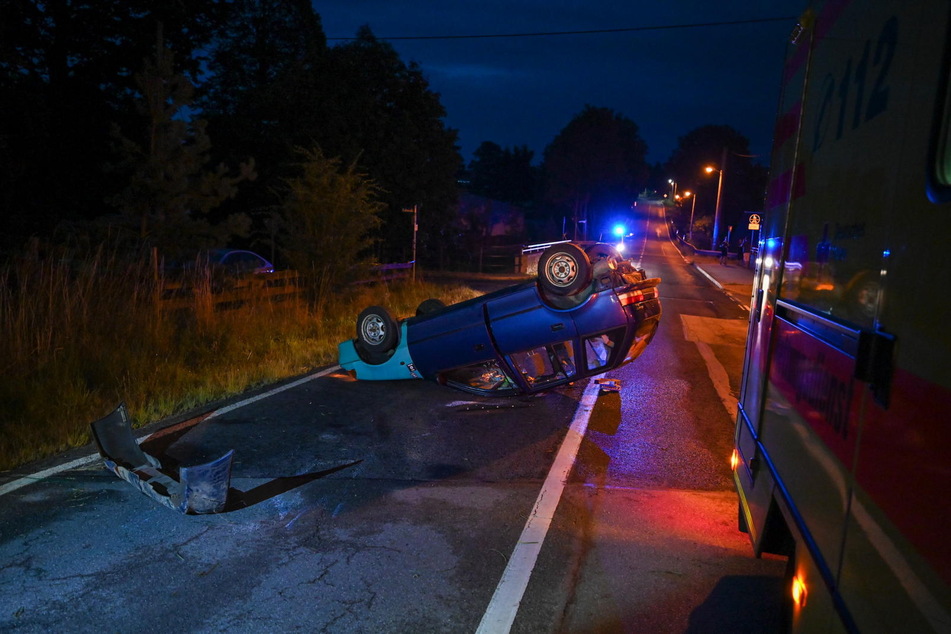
{"type": "Point", "coordinates": [76, 339]}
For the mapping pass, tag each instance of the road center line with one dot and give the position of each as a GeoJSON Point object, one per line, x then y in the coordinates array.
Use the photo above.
{"type": "Point", "coordinates": [13, 485]}
{"type": "Point", "coordinates": [500, 614]}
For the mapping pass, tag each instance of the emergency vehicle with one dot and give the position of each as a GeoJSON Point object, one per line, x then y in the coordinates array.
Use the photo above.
{"type": "Point", "coordinates": [842, 457]}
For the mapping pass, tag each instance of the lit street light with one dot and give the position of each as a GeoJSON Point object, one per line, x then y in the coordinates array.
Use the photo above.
{"type": "Point", "coordinates": [693, 207]}
{"type": "Point", "coordinates": [709, 169]}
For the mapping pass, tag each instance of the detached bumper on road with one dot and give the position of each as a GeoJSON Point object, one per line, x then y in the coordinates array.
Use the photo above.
{"type": "Point", "coordinates": [198, 489]}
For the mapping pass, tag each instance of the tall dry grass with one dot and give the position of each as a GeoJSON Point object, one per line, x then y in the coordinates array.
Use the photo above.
{"type": "Point", "coordinates": [76, 338]}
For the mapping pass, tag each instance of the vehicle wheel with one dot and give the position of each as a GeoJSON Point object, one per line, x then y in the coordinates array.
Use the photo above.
{"type": "Point", "coordinates": [377, 331]}
{"type": "Point", "coordinates": [564, 269]}
{"type": "Point", "coordinates": [602, 252]}
{"type": "Point", "coordinates": [430, 305]}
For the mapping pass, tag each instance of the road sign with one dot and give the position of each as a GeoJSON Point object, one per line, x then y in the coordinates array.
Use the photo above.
{"type": "Point", "coordinates": [754, 222]}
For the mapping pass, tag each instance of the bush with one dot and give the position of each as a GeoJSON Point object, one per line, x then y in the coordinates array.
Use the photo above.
{"type": "Point", "coordinates": [327, 217]}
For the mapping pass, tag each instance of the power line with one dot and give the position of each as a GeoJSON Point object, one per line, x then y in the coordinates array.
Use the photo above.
{"type": "Point", "coordinates": [585, 32]}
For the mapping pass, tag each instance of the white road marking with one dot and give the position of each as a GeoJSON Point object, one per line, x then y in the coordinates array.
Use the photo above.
{"type": "Point", "coordinates": [500, 614]}
{"type": "Point", "coordinates": [9, 487]}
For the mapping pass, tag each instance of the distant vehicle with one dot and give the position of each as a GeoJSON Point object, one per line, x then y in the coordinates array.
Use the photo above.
{"type": "Point", "coordinates": [234, 262]}
{"type": "Point", "coordinates": [239, 262]}
{"type": "Point", "coordinates": [222, 269]}
{"type": "Point", "coordinates": [588, 312]}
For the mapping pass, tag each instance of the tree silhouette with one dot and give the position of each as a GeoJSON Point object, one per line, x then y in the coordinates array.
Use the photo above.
{"type": "Point", "coordinates": [596, 164]}
{"type": "Point", "coordinates": [385, 117]}
{"type": "Point", "coordinates": [169, 191]}
{"type": "Point", "coordinates": [503, 174]}
{"type": "Point", "coordinates": [327, 218]}
{"type": "Point", "coordinates": [66, 74]}
{"type": "Point", "coordinates": [744, 180]}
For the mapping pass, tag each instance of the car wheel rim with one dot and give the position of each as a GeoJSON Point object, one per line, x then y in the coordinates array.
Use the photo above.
{"type": "Point", "coordinates": [374, 330]}
{"type": "Point", "coordinates": [562, 269]}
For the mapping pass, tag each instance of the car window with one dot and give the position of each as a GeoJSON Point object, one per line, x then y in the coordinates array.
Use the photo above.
{"type": "Point", "coordinates": [598, 349]}
{"type": "Point", "coordinates": [242, 262]}
{"type": "Point", "coordinates": [485, 376]}
{"type": "Point", "coordinates": [546, 364]}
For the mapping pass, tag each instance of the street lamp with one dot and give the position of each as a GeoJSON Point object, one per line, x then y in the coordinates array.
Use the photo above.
{"type": "Point", "coordinates": [693, 207]}
{"type": "Point", "coordinates": [709, 169]}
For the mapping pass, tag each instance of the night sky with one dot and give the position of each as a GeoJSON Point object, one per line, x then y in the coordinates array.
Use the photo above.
{"type": "Point", "coordinates": [524, 90]}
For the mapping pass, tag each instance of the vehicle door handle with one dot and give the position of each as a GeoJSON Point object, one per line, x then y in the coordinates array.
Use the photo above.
{"type": "Point", "coordinates": [874, 363]}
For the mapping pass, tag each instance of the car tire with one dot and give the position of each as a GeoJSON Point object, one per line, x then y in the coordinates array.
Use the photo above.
{"type": "Point", "coordinates": [602, 252]}
{"type": "Point", "coordinates": [430, 305]}
{"type": "Point", "coordinates": [377, 331]}
{"type": "Point", "coordinates": [564, 269]}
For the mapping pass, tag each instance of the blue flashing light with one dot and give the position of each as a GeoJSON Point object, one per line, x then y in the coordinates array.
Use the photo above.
{"type": "Point", "coordinates": [619, 230]}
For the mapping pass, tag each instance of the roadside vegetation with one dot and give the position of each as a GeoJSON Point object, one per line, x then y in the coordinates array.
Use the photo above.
{"type": "Point", "coordinates": [76, 338]}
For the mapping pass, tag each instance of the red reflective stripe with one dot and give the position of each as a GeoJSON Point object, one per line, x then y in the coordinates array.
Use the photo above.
{"type": "Point", "coordinates": [787, 186]}
{"type": "Point", "coordinates": [902, 457]}
{"type": "Point", "coordinates": [817, 380]}
{"type": "Point", "coordinates": [904, 464]}
{"type": "Point", "coordinates": [787, 124]}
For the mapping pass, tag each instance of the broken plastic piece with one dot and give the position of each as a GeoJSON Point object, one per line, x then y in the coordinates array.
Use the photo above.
{"type": "Point", "coordinates": [609, 385]}
{"type": "Point", "coordinates": [198, 489]}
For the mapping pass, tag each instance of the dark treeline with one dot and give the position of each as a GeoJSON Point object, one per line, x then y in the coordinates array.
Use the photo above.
{"type": "Point", "coordinates": [189, 125]}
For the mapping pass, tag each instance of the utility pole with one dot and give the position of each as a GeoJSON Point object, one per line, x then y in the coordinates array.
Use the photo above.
{"type": "Point", "coordinates": [415, 212]}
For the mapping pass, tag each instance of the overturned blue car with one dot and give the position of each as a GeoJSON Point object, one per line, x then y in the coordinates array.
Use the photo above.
{"type": "Point", "coordinates": [588, 311]}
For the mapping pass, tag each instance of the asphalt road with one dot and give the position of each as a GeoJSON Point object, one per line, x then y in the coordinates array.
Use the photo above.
{"type": "Point", "coordinates": [398, 507]}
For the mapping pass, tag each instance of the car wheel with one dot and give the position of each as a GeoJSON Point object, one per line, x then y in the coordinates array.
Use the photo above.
{"type": "Point", "coordinates": [377, 331]}
{"type": "Point", "coordinates": [602, 252]}
{"type": "Point", "coordinates": [564, 269]}
{"type": "Point", "coordinates": [430, 305]}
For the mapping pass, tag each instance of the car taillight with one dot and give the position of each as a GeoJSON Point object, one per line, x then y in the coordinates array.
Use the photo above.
{"type": "Point", "coordinates": [631, 297]}
{"type": "Point", "coordinates": [636, 295]}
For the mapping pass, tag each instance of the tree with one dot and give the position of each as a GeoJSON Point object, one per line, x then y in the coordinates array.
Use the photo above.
{"type": "Point", "coordinates": [503, 174]}
{"type": "Point", "coordinates": [261, 46]}
{"type": "Point", "coordinates": [385, 117]}
{"type": "Point", "coordinates": [358, 101]}
{"type": "Point", "coordinates": [66, 74]}
{"type": "Point", "coordinates": [595, 164]}
{"type": "Point", "coordinates": [328, 215]}
{"type": "Point", "coordinates": [264, 95]}
{"type": "Point", "coordinates": [744, 181]}
{"type": "Point", "coordinates": [168, 191]}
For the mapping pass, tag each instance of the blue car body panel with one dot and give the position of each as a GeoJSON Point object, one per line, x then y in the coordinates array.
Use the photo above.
{"type": "Point", "coordinates": [459, 333]}
{"type": "Point", "coordinates": [521, 320]}
{"type": "Point", "coordinates": [399, 366]}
